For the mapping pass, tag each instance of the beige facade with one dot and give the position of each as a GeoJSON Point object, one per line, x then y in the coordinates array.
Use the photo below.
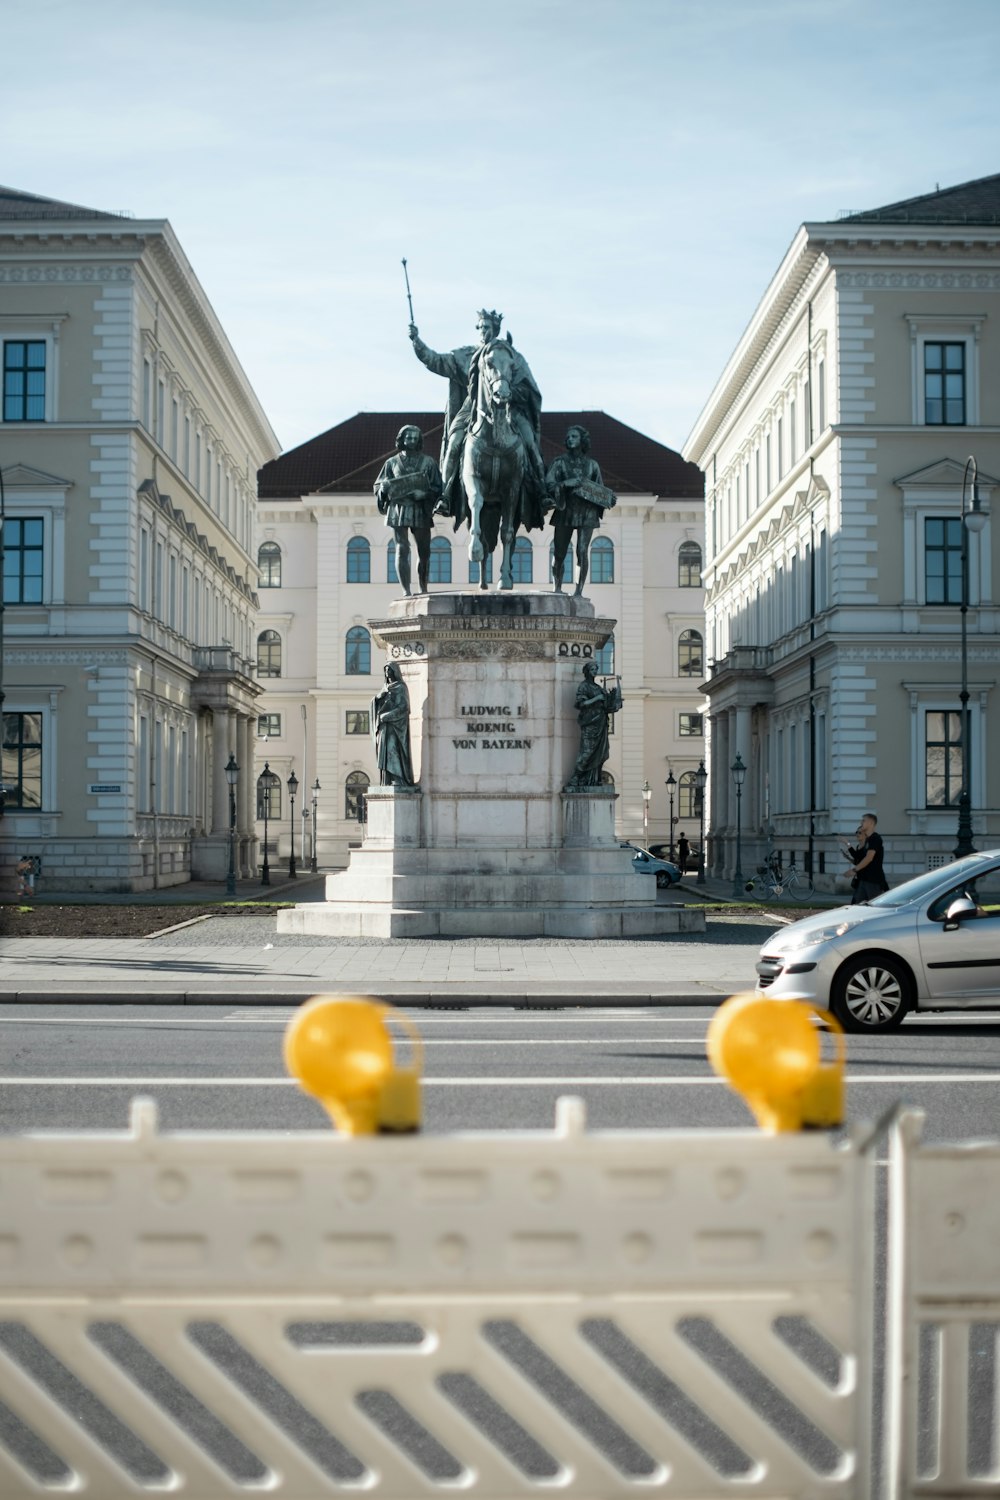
{"type": "Point", "coordinates": [320, 702]}
{"type": "Point", "coordinates": [835, 447]}
{"type": "Point", "coordinates": [129, 444]}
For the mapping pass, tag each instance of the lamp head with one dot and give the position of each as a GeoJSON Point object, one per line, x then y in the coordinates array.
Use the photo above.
{"type": "Point", "coordinates": [739, 770]}
{"type": "Point", "coordinates": [671, 780]}
{"type": "Point", "coordinates": [292, 784]}
{"type": "Point", "coordinates": [232, 770]}
{"type": "Point", "coordinates": [700, 777]}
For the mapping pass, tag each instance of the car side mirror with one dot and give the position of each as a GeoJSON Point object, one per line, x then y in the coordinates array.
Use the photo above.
{"type": "Point", "coordinates": [962, 906]}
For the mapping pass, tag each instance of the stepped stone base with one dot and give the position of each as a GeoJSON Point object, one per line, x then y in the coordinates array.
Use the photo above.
{"type": "Point", "coordinates": [381, 920]}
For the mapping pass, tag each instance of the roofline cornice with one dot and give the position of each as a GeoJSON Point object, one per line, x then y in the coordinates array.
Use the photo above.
{"type": "Point", "coordinates": [155, 238]}
{"type": "Point", "coordinates": [800, 259]}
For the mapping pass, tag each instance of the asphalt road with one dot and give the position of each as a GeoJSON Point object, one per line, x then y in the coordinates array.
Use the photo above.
{"type": "Point", "coordinates": [221, 1069]}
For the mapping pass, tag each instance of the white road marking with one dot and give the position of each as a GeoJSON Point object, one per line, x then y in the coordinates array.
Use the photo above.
{"type": "Point", "coordinates": [605, 1080]}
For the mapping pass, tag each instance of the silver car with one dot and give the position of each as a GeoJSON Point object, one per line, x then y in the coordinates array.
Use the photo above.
{"type": "Point", "coordinates": [932, 943]}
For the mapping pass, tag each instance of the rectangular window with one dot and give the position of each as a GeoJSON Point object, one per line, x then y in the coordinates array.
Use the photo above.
{"type": "Point", "coordinates": [174, 428]}
{"type": "Point", "coordinates": [183, 804]}
{"type": "Point", "coordinates": [161, 414]}
{"type": "Point", "coordinates": [781, 448]}
{"type": "Point", "coordinates": [23, 556]}
{"type": "Point", "coordinates": [357, 721]}
{"type": "Point", "coordinates": [144, 569]}
{"type": "Point", "coordinates": [942, 758]}
{"type": "Point", "coordinates": [172, 593]}
{"type": "Point", "coordinates": [767, 462]}
{"type": "Point", "coordinates": [171, 769]}
{"type": "Point", "coordinates": [269, 725]}
{"type": "Point", "coordinates": [821, 393]}
{"type": "Point", "coordinates": [143, 797]}
{"type": "Point", "coordinates": [943, 559]}
{"type": "Point", "coordinates": [158, 582]}
{"type": "Point", "coordinates": [24, 380]}
{"type": "Point", "coordinates": [944, 384]}
{"type": "Point", "coordinates": [185, 588]}
{"type": "Point", "coordinates": [792, 438]}
{"type": "Point", "coordinates": [158, 766]}
{"type": "Point", "coordinates": [269, 804]}
{"type": "Point", "coordinates": [147, 395]}
{"type": "Point", "coordinates": [187, 447]}
{"type": "Point", "coordinates": [690, 725]}
{"type": "Point", "coordinates": [21, 761]}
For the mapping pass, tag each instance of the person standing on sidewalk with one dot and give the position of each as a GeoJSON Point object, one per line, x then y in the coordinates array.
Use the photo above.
{"type": "Point", "coordinates": [869, 879]}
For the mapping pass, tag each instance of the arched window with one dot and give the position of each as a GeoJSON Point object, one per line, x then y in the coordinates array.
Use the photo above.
{"type": "Point", "coordinates": [567, 564]}
{"type": "Point", "coordinates": [604, 660]}
{"type": "Point", "coordinates": [602, 560]}
{"type": "Point", "coordinates": [359, 560]}
{"type": "Point", "coordinates": [440, 568]}
{"type": "Point", "coordinates": [358, 662]}
{"type": "Point", "coordinates": [523, 561]}
{"type": "Point", "coordinates": [269, 565]}
{"type": "Point", "coordinates": [688, 796]}
{"type": "Point", "coordinates": [474, 570]}
{"type": "Point", "coordinates": [689, 566]}
{"type": "Point", "coordinates": [391, 576]}
{"type": "Point", "coordinates": [356, 797]}
{"type": "Point", "coordinates": [269, 654]}
{"type": "Point", "coordinates": [689, 654]}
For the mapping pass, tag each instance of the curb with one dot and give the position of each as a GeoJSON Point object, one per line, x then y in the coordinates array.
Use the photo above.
{"type": "Point", "coordinates": [421, 999]}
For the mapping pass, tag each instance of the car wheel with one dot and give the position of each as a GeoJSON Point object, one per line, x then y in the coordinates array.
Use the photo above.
{"type": "Point", "coordinates": [662, 879]}
{"type": "Point", "coordinates": [871, 994]}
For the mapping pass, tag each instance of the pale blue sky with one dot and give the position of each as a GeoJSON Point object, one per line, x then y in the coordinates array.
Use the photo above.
{"type": "Point", "coordinates": [620, 179]}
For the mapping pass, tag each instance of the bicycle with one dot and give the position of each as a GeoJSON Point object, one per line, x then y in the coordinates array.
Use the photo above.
{"type": "Point", "coordinates": [774, 883]}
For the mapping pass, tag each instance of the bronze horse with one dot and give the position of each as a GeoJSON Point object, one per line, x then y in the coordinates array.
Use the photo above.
{"type": "Point", "coordinates": [493, 467]}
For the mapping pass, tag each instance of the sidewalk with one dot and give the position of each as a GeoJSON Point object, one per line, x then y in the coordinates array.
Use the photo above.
{"type": "Point", "coordinates": [252, 966]}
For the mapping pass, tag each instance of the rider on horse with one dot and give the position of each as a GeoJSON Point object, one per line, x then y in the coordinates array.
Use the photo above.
{"type": "Point", "coordinates": [464, 369]}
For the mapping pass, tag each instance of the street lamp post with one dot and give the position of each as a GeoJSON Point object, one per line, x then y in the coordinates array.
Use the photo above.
{"type": "Point", "coordinates": [972, 520]}
{"type": "Point", "coordinates": [739, 772]}
{"type": "Point", "coordinates": [671, 784]}
{"type": "Point", "coordinates": [647, 793]}
{"type": "Point", "coordinates": [232, 776]}
{"type": "Point", "coordinates": [266, 783]}
{"type": "Point", "coordinates": [293, 785]}
{"type": "Point", "coordinates": [700, 778]}
{"type": "Point", "coordinates": [316, 789]}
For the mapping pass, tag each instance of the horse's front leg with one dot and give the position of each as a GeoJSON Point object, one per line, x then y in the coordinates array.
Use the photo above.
{"type": "Point", "coordinates": [475, 494]}
{"type": "Point", "coordinates": [508, 535]}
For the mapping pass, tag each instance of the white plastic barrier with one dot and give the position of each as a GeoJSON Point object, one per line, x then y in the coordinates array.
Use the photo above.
{"type": "Point", "coordinates": [943, 1372]}
{"type": "Point", "coordinates": [604, 1314]}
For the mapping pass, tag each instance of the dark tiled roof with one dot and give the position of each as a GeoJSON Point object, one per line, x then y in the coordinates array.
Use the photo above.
{"type": "Point", "coordinates": [347, 458]}
{"type": "Point", "coordinates": [29, 206]}
{"type": "Point", "coordinates": [975, 202]}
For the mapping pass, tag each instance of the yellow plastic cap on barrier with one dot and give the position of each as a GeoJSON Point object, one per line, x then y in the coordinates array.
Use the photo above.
{"type": "Point", "coordinates": [340, 1050]}
{"type": "Point", "coordinates": [771, 1052]}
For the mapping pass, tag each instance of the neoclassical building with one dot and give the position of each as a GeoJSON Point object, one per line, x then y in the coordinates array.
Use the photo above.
{"type": "Point", "coordinates": [130, 440]}
{"type": "Point", "coordinates": [835, 448]}
{"type": "Point", "coordinates": [326, 567]}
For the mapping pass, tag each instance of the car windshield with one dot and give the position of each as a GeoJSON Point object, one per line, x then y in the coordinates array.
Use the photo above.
{"type": "Point", "coordinates": [925, 885]}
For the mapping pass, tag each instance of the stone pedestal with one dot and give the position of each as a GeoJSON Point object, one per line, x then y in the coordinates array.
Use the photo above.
{"type": "Point", "coordinates": [491, 845]}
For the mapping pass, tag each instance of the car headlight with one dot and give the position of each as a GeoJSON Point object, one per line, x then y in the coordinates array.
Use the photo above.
{"type": "Point", "coordinates": [792, 940]}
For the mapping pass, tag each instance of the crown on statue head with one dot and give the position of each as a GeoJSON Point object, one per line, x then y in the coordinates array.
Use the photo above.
{"type": "Point", "coordinates": [494, 317]}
